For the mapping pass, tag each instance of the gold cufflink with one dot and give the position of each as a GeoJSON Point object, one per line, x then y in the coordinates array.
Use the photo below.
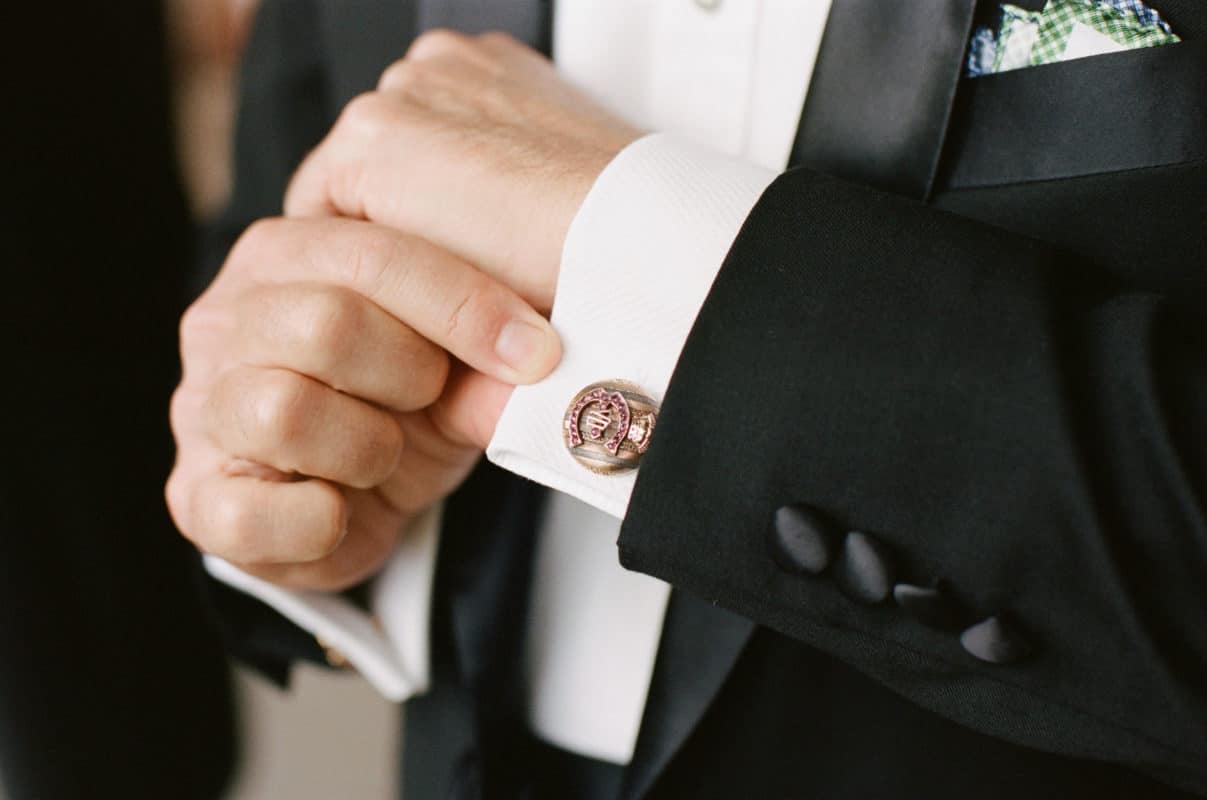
{"type": "Point", "coordinates": [608, 426]}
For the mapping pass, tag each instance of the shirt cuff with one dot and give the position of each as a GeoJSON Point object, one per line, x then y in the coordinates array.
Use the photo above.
{"type": "Point", "coordinates": [637, 265]}
{"type": "Point", "coordinates": [390, 646]}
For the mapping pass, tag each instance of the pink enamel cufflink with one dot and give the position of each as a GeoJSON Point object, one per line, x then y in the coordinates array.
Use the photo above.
{"type": "Point", "coordinates": [608, 426]}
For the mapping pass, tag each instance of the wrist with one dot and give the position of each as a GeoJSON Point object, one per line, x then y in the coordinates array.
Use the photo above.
{"type": "Point", "coordinates": [576, 184]}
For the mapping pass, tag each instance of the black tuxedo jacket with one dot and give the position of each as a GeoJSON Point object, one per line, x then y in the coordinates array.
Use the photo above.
{"type": "Point", "coordinates": [970, 322]}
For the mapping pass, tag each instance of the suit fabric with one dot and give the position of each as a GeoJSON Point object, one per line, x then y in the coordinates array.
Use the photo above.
{"type": "Point", "coordinates": [969, 322]}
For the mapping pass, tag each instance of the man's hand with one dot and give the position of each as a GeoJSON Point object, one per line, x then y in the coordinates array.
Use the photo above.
{"type": "Point", "coordinates": [318, 411]}
{"type": "Point", "coordinates": [474, 143]}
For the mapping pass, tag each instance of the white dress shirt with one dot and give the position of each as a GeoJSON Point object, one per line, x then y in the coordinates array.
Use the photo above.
{"type": "Point", "coordinates": [724, 84]}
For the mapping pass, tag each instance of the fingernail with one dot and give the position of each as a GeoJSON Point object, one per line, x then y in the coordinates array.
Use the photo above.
{"type": "Point", "coordinates": [524, 347]}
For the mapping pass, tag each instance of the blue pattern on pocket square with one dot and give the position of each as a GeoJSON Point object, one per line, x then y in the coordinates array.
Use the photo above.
{"type": "Point", "coordinates": [982, 52]}
{"type": "Point", "coordinates": [1032, 38]}
{"type": "Point", "coordinates": [1145, 15]}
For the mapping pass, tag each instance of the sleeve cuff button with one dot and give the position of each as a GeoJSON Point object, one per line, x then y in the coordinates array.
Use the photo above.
{"type": "Point", "coordinates": [995, 641]}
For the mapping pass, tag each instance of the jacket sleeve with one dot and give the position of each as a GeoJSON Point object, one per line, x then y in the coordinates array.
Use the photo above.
{"type": "Point", "coordinates": [999, 420]}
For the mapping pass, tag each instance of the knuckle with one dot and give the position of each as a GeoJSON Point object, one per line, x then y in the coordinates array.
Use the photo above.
{"type": "Point", "coordinates": [438, 42]}
{"type": "Point", "coordinates": [255, 239]}
{"type": "Point", "coordinates": [393, 76]}
{"type": "Point", "coordinates": [503, 52]}
{"type": "Point", "coordinates": [175, 493]}
{"type": "Point", "coordinates": [328, 323]}
{"type": "Point", "coordinates": [368, 113]}
{"type": "Point", "coordinates": [197, 325]}
{"type": "Point", "coordinates": [401, 74]}
{"type": "Point", "coordinates": [280, 407]}
{"type": "Point", "coordinates": [180, 409]}
{"type": "Point", "coordinates": [189, 327]}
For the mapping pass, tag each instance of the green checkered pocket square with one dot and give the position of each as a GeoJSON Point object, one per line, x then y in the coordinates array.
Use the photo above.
{"type": "Point", "coordinates": [1064, 30]}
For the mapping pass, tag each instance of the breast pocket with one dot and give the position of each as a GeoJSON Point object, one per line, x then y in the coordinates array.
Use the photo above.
{"type": "Point", "coordinates": [1107, 113]}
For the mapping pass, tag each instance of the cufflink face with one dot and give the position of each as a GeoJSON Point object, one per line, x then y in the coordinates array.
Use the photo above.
{"type": "Point", "coordinates": [608, 426]}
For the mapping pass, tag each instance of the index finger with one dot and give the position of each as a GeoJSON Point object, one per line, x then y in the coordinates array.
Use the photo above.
{"type": "Point", "coordinates": [445, 299]}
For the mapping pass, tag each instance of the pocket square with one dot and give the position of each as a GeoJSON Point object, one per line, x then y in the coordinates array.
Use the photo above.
{"type": "Point", "coordinates": [1065, 30]}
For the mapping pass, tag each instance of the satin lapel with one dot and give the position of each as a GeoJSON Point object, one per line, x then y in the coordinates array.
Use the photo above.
{"type": "Point", "coordinates": [886, 75]}
{"type": "Point", "coordinates": [700, 644]}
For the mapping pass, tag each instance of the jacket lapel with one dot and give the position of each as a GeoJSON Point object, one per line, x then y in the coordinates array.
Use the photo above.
{"type": "Point", "coordinates": [877, 108]}
{"type": "Point", "coordinates": [700, 645]}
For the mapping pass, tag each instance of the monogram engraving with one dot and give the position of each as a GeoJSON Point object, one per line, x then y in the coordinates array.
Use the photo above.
{"type": "Point", "coordinates": [605, 408]}
{"type": "Point", "coordinates": [598, 420]}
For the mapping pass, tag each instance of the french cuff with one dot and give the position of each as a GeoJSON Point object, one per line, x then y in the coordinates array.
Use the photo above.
{"type": "Point", "coordinates": [637, 265]}
{"type": "Point", "coordinates": [390, 645]}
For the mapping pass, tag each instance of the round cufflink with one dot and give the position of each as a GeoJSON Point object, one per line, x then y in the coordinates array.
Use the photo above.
{"type": "Point", "coordinates": [608, 426]}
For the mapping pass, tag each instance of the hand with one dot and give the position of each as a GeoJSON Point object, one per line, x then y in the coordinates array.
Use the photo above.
{"type": "Point", "coordinates": [319, 410]}
{"type": "Point", "coordinates": [477, 145]}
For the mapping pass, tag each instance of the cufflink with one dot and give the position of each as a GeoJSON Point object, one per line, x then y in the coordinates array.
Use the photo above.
{"type": "Point", "coordinates": [608, 426]}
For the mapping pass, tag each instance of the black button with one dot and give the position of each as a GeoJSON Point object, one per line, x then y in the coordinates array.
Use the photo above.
{"type": "Point", "coordinates": [800, 540]}
{"type": "Point", "coordinates": [930, 605]}
{"type": "Point", "coordinates": [864, 572]}
{"type": "Point", "coordinates": [996, 641]}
